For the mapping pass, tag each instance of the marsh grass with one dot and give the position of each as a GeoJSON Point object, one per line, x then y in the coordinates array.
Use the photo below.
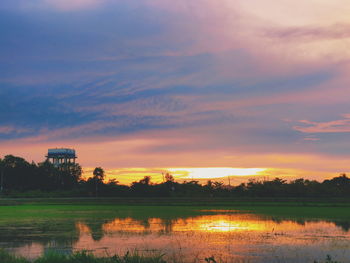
{"type": "Point", "coordinates": [87, 257]}
{"type": "Point", "coordinates": [328, 260]}
{"type": "Point", "coordinates": [83, 257]}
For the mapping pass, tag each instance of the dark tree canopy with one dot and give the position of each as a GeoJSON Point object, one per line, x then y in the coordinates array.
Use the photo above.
{"type": "Point", "coordinates": [19, 176]}
{"type": "Point", "coordinates": [99, 174]}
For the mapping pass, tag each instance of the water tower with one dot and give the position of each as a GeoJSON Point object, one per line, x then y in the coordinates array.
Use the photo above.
{"type": "Point", "coordinates": [61, 157]}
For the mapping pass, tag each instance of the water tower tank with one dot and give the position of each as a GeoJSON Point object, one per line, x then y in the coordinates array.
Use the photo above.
{"type": "Point", "coordinates": [61, 152]}
{"type": "Point", "coordinates": [61, 157]}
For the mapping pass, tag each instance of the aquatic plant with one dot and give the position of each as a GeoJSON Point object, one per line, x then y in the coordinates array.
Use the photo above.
{"type": "Point", "coordinates": [210, 259]}
{"type": "Point", "coordinates": [328, 260]}
{"type": "Point", "coordinates": [82, 257]}
{"type": "Point", "coordinates": [6, 257]}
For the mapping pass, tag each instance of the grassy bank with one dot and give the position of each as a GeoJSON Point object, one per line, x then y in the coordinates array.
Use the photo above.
{"type": "Point", "coordinates": [81, 257]}
{"type": "Point", "coordinates": [179, 201]}
{"type": "Point", "coordinates": [23, 209]}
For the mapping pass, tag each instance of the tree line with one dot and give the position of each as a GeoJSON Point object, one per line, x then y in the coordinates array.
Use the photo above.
{"type": "Point", "coordinates": [19, 176]}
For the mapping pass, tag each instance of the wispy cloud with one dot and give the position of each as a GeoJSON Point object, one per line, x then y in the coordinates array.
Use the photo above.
{"type": "Point", "coordinates": [312, 33]}
{"type": "Point", "coordinates": [336, 126]}
{"type": "Point", "coordinates": [66, 5]}
{"type": "Point", "coordinates": [14, 131]}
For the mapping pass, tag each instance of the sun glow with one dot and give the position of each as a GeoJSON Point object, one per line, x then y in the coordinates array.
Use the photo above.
{"type": "Point", "coordinates": [215, 172]}
{"type": "Point", "coordinates": [129, 175]}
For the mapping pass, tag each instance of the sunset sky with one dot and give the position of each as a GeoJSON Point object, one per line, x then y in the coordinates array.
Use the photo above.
{"type": "Point", "coordinates": [199, 88]}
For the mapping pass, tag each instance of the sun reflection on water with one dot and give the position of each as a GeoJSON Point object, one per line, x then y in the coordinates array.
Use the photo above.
{"type": "Point", "coordinates": [230, 235]}
{"type": "Point", "coordinates": [211, 224]}
{"type": "Point", "coordinates": [219, 223]}
{"type": "Point", "coordinates": [226, 226]}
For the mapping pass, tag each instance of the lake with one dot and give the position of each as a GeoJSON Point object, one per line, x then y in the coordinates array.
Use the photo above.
{"type": "Point", "coordinates": [182, 234]}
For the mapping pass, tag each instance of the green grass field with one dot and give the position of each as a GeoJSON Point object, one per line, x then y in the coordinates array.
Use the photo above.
{"type": "Point", "coordinates": [16, 209]}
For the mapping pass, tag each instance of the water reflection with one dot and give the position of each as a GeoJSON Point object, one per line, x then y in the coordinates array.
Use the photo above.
{"type": "Point", "coordinates": [228, 236]}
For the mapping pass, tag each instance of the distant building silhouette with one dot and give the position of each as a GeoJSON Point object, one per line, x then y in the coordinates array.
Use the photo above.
{"type": "Point", "coordinates": [61, 157]}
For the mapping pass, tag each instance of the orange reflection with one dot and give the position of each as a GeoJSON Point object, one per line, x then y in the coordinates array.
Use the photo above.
{"type": "Point", "coordinates": [207, 223]}
{"type": "Point", "coordinates": [133, 225]}
{"type": "Point", "coordinates": [83, 228]}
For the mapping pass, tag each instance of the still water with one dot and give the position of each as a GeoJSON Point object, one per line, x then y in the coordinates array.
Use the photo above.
{"type": "Point", "coordinates": [229, 236]}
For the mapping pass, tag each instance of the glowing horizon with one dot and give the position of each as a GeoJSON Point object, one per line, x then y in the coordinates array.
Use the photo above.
{"type": "Point", "coordinates": [129, 175]}
{"type": "Point", "coordinates": [227, 175]}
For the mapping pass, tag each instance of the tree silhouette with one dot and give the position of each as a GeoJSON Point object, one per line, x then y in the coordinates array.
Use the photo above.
{"type": "Point", "coordinates": [169, 178]}
{"type": "Point", "coordinates": [98, 177]}
{"type": "Point", "coordinates": [19, 176]}
{"type": "Point", "coordinates": [99, 174]}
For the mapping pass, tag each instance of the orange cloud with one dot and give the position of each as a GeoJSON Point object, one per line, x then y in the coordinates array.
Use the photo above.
{"type": "Point", "coordinates": [119, 156]}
